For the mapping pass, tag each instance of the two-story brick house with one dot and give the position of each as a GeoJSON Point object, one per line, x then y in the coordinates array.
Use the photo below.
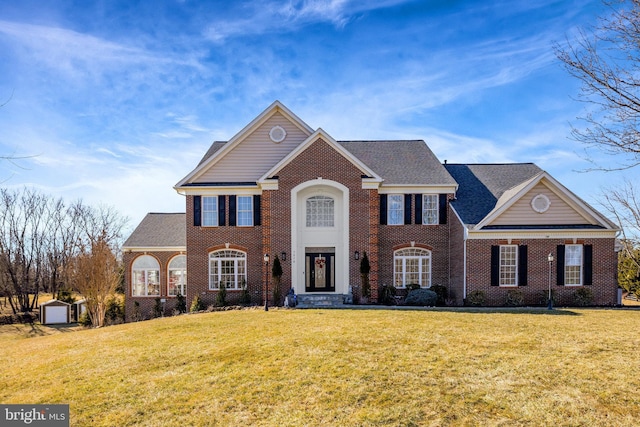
{"type": "Point", "coordinates": [279, 187]}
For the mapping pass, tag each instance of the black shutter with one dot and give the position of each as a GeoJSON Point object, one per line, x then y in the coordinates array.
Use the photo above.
{"type": "Point", "coordinates": [418, 213]}
{"type": "Point", "coordinates": [495, 265]}
{"type": "Point", "coordinates": [232, 211]}
{"type": "Point", "coordinates": [197, 211]}
{"type": "Point", "coordinates": [383, 209]}
{"type": "Point", "coordinates": [221, 210]}
{"type": "Point", "coordinates": [560, 265]}
{"type": "Point", "coordinates": [442, 206]}
{"type": "Point", "coordinates": [588, 265]}
{"type": "Point", "coordinates": [256, 209]}
{"type": "Point", "coordinates": [407, 209]}
{"type": "Point", "coordinates": [522, 265]}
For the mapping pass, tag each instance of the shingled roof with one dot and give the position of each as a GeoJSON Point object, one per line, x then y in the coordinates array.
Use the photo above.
{"type": "Point", "coordinates": [212, 150]}
{"type": "Point", "coordinates": [159, 230]}
{"type": "Point", "coordinates": [401, 162]}
{"type": "Point", "coordinates": [482, 185]}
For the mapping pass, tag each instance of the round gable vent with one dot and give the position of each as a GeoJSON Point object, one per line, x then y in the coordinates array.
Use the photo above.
{"type": "Point", "coordinates": [277, 134]}
{"type": "Point", "coordinates": [540, 203]}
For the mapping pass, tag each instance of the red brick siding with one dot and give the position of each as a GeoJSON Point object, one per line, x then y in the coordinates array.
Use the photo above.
{"type": "Point", "coordinates": [147, 303]}
{"type": "Point", "coordinates": [320, 160]}
{"type": "Point", "coordinates": [436, 237]}
{"type": "Point", "coordinates": [202, 240]}
{"type": "Point", "coordinates": [604, 286]}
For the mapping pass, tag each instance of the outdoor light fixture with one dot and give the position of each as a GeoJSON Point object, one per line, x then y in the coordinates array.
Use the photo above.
{"type": "Point", "coordinates": [356, 255]}
{"type": "Point", "coordinates": [550, 259]}
{"type": "Point", "coordinates": [266, 282]}
{"type": "Point", "coordinates": [283, 255]}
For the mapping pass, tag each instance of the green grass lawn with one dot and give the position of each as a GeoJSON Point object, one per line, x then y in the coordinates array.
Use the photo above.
{"type": "Point", "coordinates": [335, 367]}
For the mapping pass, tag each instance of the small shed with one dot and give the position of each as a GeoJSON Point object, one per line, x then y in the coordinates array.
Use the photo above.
{"type": "Point", "coordinates": [78, 309]}
{"type": "Point", "coordinates": [54, 311]}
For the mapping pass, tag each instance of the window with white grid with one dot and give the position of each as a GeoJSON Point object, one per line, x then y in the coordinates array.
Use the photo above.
{"type": "Point", "coordinates": [573, 265]}
{"type": "Point", "coordinates": [210, 211]}
{"type": "Point", "coordinates": [320, 211]}
{"type": "Point", "coordinates": [245, 211]}
{"type": "Point", "coordinates": [412, 266]}
{"type": "Point", "coordinates": [508, 265]}
{"type": "Point", "coordinates": [145, 276]}
{"type": "Point", "coordinates": [178, 276]}
{"type": "Point", "coordinates": [429, 209]}
{"type": "Point", "coordinates": [227, 267]}
{"type": "Point", "coordinates": [395, 209]}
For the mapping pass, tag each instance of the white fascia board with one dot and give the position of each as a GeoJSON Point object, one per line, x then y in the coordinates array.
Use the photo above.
{"type": "Point", "coordinates": [370, 183]}
{"type": "Point", "coordinates": [219, 190]}
{"type": "Point", "coordinates": [276, 106]}
{"type": "Point", "coordinates": [269, 184]}
{"type": "Point", "coordinates": [418, 188]}
{"type": "Point", "coordinates": [320, 133]}
{"type": "Point", "coordinates": [541, 234]}
{"type": "Point", "coordinates": [154, 249]}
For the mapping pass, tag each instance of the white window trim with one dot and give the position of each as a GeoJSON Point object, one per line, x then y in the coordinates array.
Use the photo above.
{"type": "Point", "coordinates": [404, 267]}
{"type": "Point", "coordinates": [581, 265]}
{"type": "Point", "coordinates": [401, 196]}
{"type": "Point", "coordinates": [238, 211]}
{"type": "Point", "coordinates": [215, 213]}
{"type": "Point", "coordinates": [237, 278]}
{"type": "Point", "coordinates": [184, 275]}
{"type": "Point", "coordinates": [145, 271]}
{"type": "Point", "coordinates": [515, 266]}
{"type": "Point", "coordinates": [437, 208]}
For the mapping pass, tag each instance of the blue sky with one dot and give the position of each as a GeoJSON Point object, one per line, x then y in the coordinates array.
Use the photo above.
{"type": "Point", "coordinates": [118, 100]}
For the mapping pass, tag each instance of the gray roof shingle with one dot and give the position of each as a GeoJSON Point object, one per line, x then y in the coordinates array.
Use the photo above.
{"type": "Point", "coordinates": [215, 146]}
{"type": "Point", "coordinates": [401, 162]}
{"type": "Point", "coordinates": [159, 230]}
{"type": "Point", "coordinates": [482, 185]}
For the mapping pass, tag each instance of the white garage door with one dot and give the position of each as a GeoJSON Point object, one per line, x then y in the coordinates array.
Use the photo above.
{"type": "Point", "coordinates": [56, 315]}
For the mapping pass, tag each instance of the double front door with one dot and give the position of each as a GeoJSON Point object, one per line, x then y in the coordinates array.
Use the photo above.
{"type": "Point", "coordinates": [320, 275]}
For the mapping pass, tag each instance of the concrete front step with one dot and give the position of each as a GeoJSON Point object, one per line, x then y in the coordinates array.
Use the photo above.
{"type": "Point", "coordinates": [320, 300]}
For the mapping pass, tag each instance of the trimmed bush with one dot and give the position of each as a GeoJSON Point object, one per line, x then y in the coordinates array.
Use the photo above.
{"type": "Point", "coordinates": [245, 296]}
{"type": "Point", "coordinates": [197, 304]}
{"type": "Point", "coordinates": [476, 298]}
{"type": "Point", "coordinates": [544, 297]}
{"type": "Point", "coordinates": [387, 295]}
{"type": "Point", "coordinates": [421, 297]}
{"type": "Point", "coordinates": [583, 297]}
{"type": "Point", "coordinates": [515, 298]}
{"type": "Point", "coordinates": [85, 320]}
{"type": "Point", "coordinates": [181, 304]}
{"type": "Point", "coordinates": [157, 308]}
{"type": "Point", "coordinates": [221, 296]}
{"type": "Point", "coordinates": [115, 311]}
{"type": "Point", "coordinates": [442, 293]}
{"type": "Point", "coordinates": [412, 287]}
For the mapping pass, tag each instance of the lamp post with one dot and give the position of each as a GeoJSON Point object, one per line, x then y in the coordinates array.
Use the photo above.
{"type": "Point", "coordinates": [550, 259]}
{"type": "Point", "coordinates": [266, 282]}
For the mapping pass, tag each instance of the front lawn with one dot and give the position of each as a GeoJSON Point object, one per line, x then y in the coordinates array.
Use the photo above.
{"type": "Point", "coordinates": [336, 367]}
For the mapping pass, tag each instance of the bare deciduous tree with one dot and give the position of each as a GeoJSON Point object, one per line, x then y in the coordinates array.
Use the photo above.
{"type": "Point", "coordinates": [607, 62]}
{"type": "Point", "coordinates": [23, 224]}
{"type": "Point", "coordinates": [45, 244]}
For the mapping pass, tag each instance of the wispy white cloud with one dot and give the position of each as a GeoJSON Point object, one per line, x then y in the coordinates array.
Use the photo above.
{"type": "Point", "coordinates": [273, 16]}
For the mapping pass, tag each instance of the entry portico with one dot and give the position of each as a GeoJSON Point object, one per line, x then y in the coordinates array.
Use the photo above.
{"type": "Point", "coordinates": [320, 237]}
